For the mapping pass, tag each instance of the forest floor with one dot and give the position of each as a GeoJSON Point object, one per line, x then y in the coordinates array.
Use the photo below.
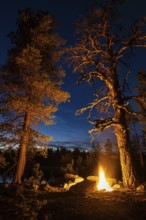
{"type": "Point", "coordinates": [43, 205]}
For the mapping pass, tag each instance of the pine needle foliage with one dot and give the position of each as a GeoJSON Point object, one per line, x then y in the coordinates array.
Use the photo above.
{"type": "Point", "coordinates": [31, 81]}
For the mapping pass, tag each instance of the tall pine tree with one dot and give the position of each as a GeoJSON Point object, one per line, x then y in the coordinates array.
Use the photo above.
{"type": "Point", "coordinates": [31, 83]}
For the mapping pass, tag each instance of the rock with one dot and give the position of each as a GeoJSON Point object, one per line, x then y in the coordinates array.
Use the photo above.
{"type": "Point", "coordinates": [69, 176]}
{"type": "Point", "coordinates": [68, 185]}
{"type": "Point", "coordinates": [53, 189]}
{"type": "Point", "coordinates": [116, 186]}
{"type": "Point", "coordinates": [140, 188]}
{"type": "Point", "coordinates": [93, 178]}
{"type": "Point", "coordinates": [85, 186]}
{"type": "Point", "coordinates": [29, 186]}
{"type": "Point", "coordinates": [31, 180]}
{"type": "Point", "coordinates": [43, 182]}
{"type": "Point", "coordinates": [43, 187]}
{"type": "Point", "coordinates": [111, 181]}
{"type": "Point", "coordinates": [77, 180]}
{"type": "Point", "coordinates": [144, 184]}
{"type": "Point", "coordinates": [36, 186]}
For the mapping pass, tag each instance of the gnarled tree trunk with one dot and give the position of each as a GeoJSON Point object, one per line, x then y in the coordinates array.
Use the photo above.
{"type": "Point", "coordinates": [126, 158]}
{"type": "Point", "coordinates": [22, 151]}
{"type": "Point", "coordinates": [122, 134]}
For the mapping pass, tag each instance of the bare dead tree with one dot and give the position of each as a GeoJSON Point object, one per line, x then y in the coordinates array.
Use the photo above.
{"type": "Point", "coordinates": [100, 50]}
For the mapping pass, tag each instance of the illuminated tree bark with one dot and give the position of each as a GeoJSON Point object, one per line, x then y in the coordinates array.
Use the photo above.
{"type": "Point", "coordinates": [22, 151]}
{"type": "Point", "coordinates": [127, 164]}
{"type": "Point", "coordinates": [31, 82]}
{"type": "Point", "coordinates": [100, 51]}
{"type": "Point", "coordinates": [121, 131]}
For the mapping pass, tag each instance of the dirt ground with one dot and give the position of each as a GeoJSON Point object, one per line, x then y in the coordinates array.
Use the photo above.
{"type": "Point", "coordinates": [74, 205]}
{"type": "Point", "coordinates": [104, 205]}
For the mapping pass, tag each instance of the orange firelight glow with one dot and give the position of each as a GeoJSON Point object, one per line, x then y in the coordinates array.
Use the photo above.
{"type": "Point", "coordinates": [103, 184]}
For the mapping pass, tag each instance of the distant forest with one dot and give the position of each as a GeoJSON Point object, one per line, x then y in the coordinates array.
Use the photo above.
{"type": "Point", "coordinates": [54, 163]}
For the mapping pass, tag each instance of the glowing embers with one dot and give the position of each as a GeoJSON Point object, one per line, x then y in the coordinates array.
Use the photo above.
{"type": "Point", "coordinates": [103, 184]}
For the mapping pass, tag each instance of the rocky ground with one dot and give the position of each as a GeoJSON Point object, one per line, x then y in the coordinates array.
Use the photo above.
{"type": "Point", "coordinates": [82, 201]}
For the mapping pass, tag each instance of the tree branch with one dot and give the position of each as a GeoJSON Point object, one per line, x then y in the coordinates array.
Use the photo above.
{"type": "Point", "coordinates": [140, 99]}
{"type": "Point", "coordinates": [91, 106]}
{"type": "Point", "coordinates": [101, 124]}
{"type": "Point", "coordinates": [129, 111]}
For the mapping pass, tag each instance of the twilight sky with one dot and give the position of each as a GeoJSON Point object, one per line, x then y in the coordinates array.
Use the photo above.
{"type": "Point", "coordinates": [69, 128]}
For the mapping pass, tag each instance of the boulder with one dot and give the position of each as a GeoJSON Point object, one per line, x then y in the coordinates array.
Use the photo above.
{"type": "Point", "coordinates": [140, 188]}
{"type": "Point", "coordinates": [93, 178]}
{"type": "Point", "coordinates": [78, 179]}
{"type": "Point", "coordinates": [85, 186]}
{"type": "Point", "coordinates": [43, 182]}
{"type": "Point", "coordinates": [36, 186]}
{"type": "Point", "coordinates": [69, 176]}
{"type": "Point", "coordinates": [117, 186]}
{"type": "Point", "coordinates": [111, 181]}
{"type": "Point", "coordinates": [53, 189]}
{"type": "Point", "coordinates": [69, 184]}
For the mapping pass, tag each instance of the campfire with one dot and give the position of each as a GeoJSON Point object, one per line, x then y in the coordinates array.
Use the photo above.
{"type": "Point", "coordinates": [102, 183]}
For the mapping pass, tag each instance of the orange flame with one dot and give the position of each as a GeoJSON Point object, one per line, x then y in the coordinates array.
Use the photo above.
{"type": "Point", "coordinates": [103, 184]}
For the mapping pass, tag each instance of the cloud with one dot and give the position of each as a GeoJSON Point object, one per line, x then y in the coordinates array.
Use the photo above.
{"type": "Point", "coordinates": [70, 145]}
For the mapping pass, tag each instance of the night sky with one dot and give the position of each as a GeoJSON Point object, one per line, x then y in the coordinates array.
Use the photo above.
{"type": "Point", "coordinates": [69, 128]}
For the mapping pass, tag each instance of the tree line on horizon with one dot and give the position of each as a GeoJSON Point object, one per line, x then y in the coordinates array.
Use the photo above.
{"type": "Point", "coordinates": [32, 77]}
{"type": "Point", "coordinates": [57, 162]}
